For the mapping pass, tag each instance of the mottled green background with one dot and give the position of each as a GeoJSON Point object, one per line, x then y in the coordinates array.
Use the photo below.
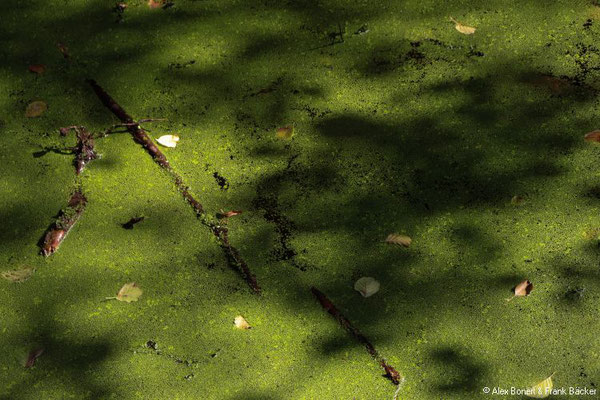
{"type": "Point", "coordinates": [412, 128]}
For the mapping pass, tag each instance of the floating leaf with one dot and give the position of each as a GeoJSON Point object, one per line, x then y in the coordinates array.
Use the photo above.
{"type": "Point", "coordinates": [155, 3]}
{"type": "Point", "coordinates": [128, 293]}
{"type": "Point", "coordinates": [592, 233]}
{"type": "Point", "coordinates": [18, 275]}
{"type": "Point", "coordinates": [467, 30]}
{"type": "Point", "coordinates": [522, 289]}
{"type": "Point", "coordinates": [285, 132]}
{"type": "Point", "coordinates": [32, 356]}
{"type": "Point", "coordinates": [64, 50]}
{"type": "Point", "coordinates": [241, 323]}
{"type": "Point", "coordinates": [402, 240]}
{"type": "Point", "coordinates": [226, 214]}
{"type": "Point", "coordinates": [35, 109]}
{"type": "Point", "coordinates": [168, 140]}
{"type": "Point", "coordinates": [593, 136]}
{"type": "Point", "coordinates": [542, 389]}
{"type": "Point", "coordinates": [517, 200]}
{"type": "Point", "coordinates": [37, 68]}
{"type": "Point", "coordinates": [367, 286]}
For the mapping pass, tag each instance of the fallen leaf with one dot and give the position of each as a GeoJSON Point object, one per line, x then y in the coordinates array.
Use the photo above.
{"type": "Point", "coordinates": [467, 30]}
{"type": "Point", "coordinates": [522, 289]}
{"type": "Point", "coordinates": [593, 136]}
{"type": "Point", "coordinates": [155, 3]}
{"type": "Point", "coordinates": [128, 293]}
{"type": "Point", "coordinates": [37, 68]}
{"type": "Point", "coordinates": [367, 286]}
{"type": "Point", "coordinates": [241, 323]}
{"type": "Point", "coordinates": [542, 389]}
{"type": "Point", "coordinates": [592, 233]}
{"type": "Point", "coordinates": [394, 238]}
{"type": "Point", "coordinates": [168, 140]}
{"type": "Point", "coordinates": [18, 275]}
{"type": "Point", "coordinates": [226, 214]}
{"type": "Point", "coordinates": [285, 132]}
{"type": "Point", "coordinates": [35, 109]}
{"type": "Point", "coordinates": [33, 355]}
{"type": "Point", "coordinates": [517, 200]}
{"type": "Point", "coordinates": [64, 50]}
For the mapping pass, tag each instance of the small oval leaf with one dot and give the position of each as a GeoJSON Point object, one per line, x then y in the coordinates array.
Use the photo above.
{"type": "Point", "coordinates": [168, 140]}
{"type": "Point", "coordinates": [285, 132]}
{"type": "Point", "coordinates": [464, 29]}
{"type": "Point", "coordinates": [35, 109]}
{"type": "Point", "coordinates": [402, 240]}
{"type": "Point", "coordinates": [367, 286]}
{"type": "Point", "coordinates": [18, 275]}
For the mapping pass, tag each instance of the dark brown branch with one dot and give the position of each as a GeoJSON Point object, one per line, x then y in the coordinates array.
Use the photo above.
{"type": "Point", "coordinates": [63, 224]}
{"type": "Point", "coordinates": [231, 253]}
{"type": "Point", "coordinates": [390, 372]}
{"type": "Point", "coordinates": [138, 133]}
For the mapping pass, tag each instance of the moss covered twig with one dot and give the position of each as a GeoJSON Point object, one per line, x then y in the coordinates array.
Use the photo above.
{"type": "Point", "coordinates": [139, 135]}
{"type": "Point", "coordinates": [63, 224]}
{"type": "Point", "coordinates": [390, 372]}
{"type": "Point", "coordinates": [85, 148]}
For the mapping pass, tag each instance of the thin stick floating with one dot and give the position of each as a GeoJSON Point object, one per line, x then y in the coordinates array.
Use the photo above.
{"type": "Point", "coordinates": [233, 256]}
{"type": "Point", "coordinates": [390, 372]}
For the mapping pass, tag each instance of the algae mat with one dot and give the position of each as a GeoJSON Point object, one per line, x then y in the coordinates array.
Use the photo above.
{"type": "Point", "coordinates": [470, 143]}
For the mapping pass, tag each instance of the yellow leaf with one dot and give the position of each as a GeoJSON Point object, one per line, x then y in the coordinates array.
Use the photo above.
{"type": "Point", "coordinates": [542, 389]}
{"type": "Point", "coordinates": [18, 275]}
{"type": "Point", "coordinates": [128, 293]}
{"type": "Point", "coordinates": [467, 30]}
{"type": "Point", "coordinates": [241, 323]}
{"type": "Point", "coordinates": [394, 238]}
{"type": "Point", "coordinates": [285, 132]}
{"type": "Point", "coordinates": [35, 109]}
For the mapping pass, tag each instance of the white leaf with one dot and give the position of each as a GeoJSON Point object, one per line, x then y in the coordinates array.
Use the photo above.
{"type": "Point", "coordinates": [241, 323]}
{"type": "Point", "coordinates": [367, 286]}
{"type": "Point", "coordinates": [168, 140]}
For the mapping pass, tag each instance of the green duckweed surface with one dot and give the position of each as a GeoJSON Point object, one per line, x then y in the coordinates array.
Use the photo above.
{"type": "Point", "coordinates": [411, 127]}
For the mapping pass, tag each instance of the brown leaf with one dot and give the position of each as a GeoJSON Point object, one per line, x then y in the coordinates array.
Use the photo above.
{"type": "Point", "coordinates": [593, 136]}
{"type": "Point", "coordinates": [33, 355]}
{"type": "Point", "coordinates": [522, 289]}
{"type": "Point", "coordinates": [285, 132]}
{"type": "Point", "coordinates": [155, 3]}
{"type": "Point", "coordinates": [64, 50]}
{"type": "Point", "coordinates": [517, 200]}
{"type": "Point", "coordinates": [227, 214]}
{"type": "Point", "coordinates": [592, 233]}
{"type": "Point", "coordinates": [37, 68]}
{"type": "Point", "coordinates": [402, 240]}
{"type": "Point", "coordinates": [35, 109]}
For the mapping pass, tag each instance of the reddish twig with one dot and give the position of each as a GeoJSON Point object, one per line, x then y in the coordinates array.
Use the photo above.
{"type": "Point", "coordinates": [63, 224]}
{"type": "Point", "coordinates": [390, 372]}
{"type": "Point", "coordinates": [140, 136]}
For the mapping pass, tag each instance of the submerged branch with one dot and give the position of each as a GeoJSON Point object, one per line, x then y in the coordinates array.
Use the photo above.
{"type": "Point", "coordinates": [140, 136]}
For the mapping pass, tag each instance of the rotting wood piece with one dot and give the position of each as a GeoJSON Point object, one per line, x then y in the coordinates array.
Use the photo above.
{"type": "Point", "coordinates": [390, 372]}
{"type": "Point", "coordinates": [66, 219]}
